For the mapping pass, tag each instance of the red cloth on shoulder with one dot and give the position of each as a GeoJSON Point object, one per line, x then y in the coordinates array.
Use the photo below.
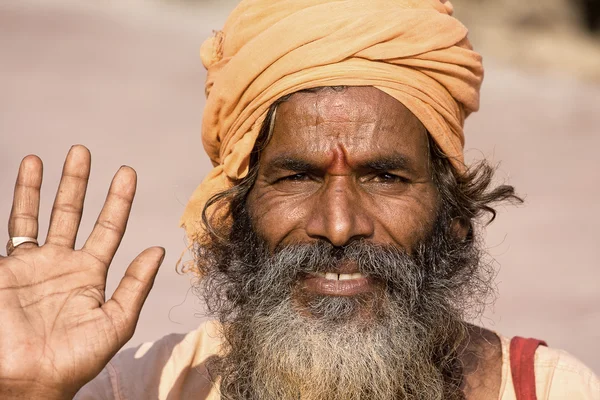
{"type": "Point", "coordinates": [522, 357]}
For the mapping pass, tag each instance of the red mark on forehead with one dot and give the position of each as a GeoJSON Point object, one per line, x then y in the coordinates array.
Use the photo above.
{"type": "Point", "coordinates": [339, 162]}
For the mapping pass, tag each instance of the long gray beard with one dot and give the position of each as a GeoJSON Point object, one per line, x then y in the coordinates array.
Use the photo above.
{"type": "Point", "coordinates": [401, 343]}
{"type": "Point", "coordinates": [293, 357]}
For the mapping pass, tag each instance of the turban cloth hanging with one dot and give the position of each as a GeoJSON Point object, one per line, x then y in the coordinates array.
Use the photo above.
{"type": "Point", "coordinates": [413, 50]}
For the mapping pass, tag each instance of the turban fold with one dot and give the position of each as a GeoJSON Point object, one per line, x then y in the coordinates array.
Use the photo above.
{"type": "Point", "coordinates": [413, 50]}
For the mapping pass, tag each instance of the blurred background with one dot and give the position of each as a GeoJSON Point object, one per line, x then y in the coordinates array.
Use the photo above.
{"type": "Point", "coordinates": [124, 78]}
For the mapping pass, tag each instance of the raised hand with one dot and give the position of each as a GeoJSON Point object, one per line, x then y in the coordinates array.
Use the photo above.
{"type": "Point", "coordinates": [57, 331]}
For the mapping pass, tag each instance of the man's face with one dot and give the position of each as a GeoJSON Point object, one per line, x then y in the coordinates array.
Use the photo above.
{"type": "Point", "coordinates": [344, 165]}
{"type": "Point", "coordinates": [341, 277]}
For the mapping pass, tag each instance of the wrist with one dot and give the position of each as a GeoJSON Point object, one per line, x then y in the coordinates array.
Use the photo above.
{"type": "Point", "coordinates": [31, 392]}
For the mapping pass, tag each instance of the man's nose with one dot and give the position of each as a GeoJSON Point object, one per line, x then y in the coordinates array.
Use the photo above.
{"type": "Point", "coordinates": [337, 214]}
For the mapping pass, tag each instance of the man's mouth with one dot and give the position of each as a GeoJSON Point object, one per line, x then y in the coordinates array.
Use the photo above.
{"type": "Point", "coordinates": [337, 284]}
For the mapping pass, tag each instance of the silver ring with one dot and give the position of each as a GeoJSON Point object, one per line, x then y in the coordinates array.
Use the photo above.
{"type": "Point", "coordinates": [13, 242]}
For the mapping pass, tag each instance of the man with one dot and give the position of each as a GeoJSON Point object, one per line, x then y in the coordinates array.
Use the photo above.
{"type": "Point", "coordinates": [335, 239]}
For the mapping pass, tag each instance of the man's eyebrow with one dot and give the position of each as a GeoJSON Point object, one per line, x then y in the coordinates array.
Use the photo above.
{"type": "Point", "coordinates": [389, 163]}
{"type": "Point", "coordinates": [394, 162]}
{"type": "Point", "coordinates": [290, 164]}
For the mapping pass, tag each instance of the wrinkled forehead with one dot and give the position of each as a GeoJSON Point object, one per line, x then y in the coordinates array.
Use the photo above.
{"type": "Point", "coordinates": [345, 104]}
{"type": "Point", "coordinates": [350, 114]}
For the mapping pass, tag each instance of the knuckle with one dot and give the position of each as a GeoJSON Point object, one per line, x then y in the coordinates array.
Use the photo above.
{"type": "Point", "coordinates": [77, 176]}
{"type": "Point", "coordinates": [27, 186]}
{"type": "Point", "coordinates": [67, 208]}
{"type": "Point", "coordinates": [25, 216]}
{"type": "Point", "coordinates": [60, 239]}
{"type": "Point", "coordinates": [121, 196]}
{"type": "Point", "coordinates": [135, 284]}
{"type": "Point", "coordinates": [98, 258]}
{"type": "Point", "coordinates": [110, 225]}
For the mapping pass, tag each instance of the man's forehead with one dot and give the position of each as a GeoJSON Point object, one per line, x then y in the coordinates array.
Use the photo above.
{"type": "Point", "coordinates": [363, 122]}
{"type": "Point", "coordinates": [348, 104]}
{"type": "Point", "coordinates": [356, 115]}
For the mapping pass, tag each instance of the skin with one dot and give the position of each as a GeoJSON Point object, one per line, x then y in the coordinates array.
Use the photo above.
{"type": "Point", "coordinates": [58, 330]}
{"type": "Point", "coordinates": [354, 164]}
{"type": "Point", "coordinates": [343, 166]}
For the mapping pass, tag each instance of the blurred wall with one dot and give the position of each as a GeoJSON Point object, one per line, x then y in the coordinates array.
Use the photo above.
{"type": "Point", "coordinates": [124, 78]}
{"type": "Point", "coordinates": [537, 36]}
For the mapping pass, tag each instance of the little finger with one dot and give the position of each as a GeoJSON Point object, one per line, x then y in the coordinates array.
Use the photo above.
{"type": "Point", "coordinates": [23, 220]}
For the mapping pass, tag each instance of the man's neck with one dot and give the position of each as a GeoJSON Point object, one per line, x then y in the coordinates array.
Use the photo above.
{"type": "Point", "coordinates": [482, 361]}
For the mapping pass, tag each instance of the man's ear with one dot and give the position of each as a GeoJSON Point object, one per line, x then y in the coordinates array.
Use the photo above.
{"type": "Point", "coordinates": [461, 228]}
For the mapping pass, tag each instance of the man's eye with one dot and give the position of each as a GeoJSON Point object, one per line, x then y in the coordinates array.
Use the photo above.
{"type": "Point", "coordinates": [294, 178]}
{"type": "Point", "coordinates": [387, 177]}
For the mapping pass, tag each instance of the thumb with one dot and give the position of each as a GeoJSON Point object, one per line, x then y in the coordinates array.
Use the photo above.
{"type": "Point", "coordinates": [125, 305]}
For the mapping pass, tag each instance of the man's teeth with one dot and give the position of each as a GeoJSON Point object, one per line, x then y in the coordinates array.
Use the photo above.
{"type": "Point", "coordinates": [340, 277]}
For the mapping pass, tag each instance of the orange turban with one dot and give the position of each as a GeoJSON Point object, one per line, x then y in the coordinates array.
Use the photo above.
{"type": "Point", "coordinates": [413, 50]}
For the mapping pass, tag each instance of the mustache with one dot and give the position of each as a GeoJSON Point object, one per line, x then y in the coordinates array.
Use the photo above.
{"type": "Point", "coordinates": [381, 262]}
{"type": "Point", "coordinates": [269, 275]}
{"type": "Point", "coordinates": [240, 271]}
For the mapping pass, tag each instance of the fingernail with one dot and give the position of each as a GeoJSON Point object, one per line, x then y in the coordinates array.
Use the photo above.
{"type": "Point", "coordinates": [162, 258]}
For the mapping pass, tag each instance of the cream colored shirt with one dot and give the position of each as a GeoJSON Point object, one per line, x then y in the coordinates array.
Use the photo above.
{"type": "Point", "coordinates": [174, 368]}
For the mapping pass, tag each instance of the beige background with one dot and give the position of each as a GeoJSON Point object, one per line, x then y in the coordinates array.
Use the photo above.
{"type": "Point", "coordinates": [124, 78]}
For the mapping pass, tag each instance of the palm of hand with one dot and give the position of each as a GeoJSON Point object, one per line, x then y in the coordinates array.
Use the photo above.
{"type": "Point", "coordinates": [55, 309]}
{"type": "Point", "coordinates": [57, 331]}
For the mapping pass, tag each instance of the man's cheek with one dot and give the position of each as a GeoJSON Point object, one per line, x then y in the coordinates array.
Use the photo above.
{"type": "Point", "coordinates": [403, 226]}
{"type": "Point", "coordinates": [280, 218]}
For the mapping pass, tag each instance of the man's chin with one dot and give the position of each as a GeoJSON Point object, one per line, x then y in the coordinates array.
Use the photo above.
{"type": "Point", "coordinates": [319, 345]}
{"type": "Point", "coordinates": [357, 310]}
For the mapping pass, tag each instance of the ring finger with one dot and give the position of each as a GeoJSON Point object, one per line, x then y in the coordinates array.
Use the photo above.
{"type": "Point", "coordinates": [68, 204]}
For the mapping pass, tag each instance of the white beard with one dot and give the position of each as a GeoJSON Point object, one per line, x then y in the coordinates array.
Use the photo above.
{"type": "Point", "coordinates": [297, 357]}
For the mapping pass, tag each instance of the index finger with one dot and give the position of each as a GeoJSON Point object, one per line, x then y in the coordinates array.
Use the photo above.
{"type": "Point", "coordinates": [112, 221]}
